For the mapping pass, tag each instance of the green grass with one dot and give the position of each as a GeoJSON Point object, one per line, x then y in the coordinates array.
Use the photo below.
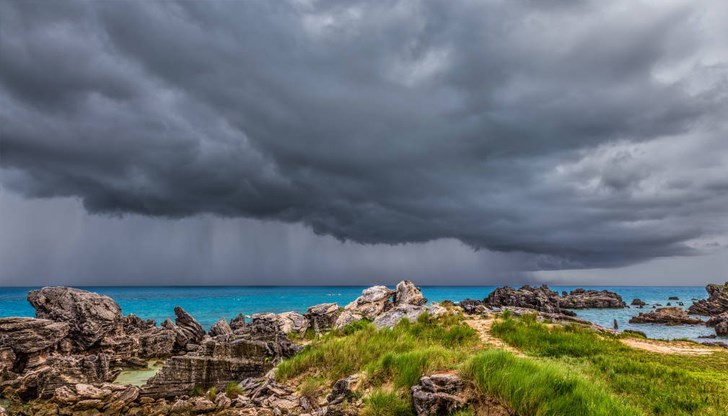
{"type": "Point", "coordinates": [540, 388]}
{"type": "Point", "coordinates": [233, 390]}
{"type": "Point", "coordinates": [657, 384]}
{"type": "Point", "coordinates": [387, 403]}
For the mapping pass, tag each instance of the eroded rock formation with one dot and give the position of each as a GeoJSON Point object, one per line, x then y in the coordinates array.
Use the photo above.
{"type": "Point", "coordinates": [716, 304]}
{"type": "Point", "coordinates": [667, 316]}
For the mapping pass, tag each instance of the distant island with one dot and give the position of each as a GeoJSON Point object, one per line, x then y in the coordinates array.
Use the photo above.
{"type": "Point", "coordinates": [389, 352]}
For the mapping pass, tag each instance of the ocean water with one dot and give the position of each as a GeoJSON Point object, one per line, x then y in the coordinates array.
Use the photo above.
{"type": "Point", "coordinates": [208, 304]}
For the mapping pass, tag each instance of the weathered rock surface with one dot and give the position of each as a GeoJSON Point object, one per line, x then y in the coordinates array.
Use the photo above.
{"type": "Point", "coordinates": [90, 316]}
{"type": "Point", "coordinates": [220, 327]}
{"type": "Point", "coordinates": [343, 390]}
{"type": "Point", "coordinates": [346, 318]}
{"type": "Point", "coordinates": [407, 293]}
{"type": "Point", "coordinates": [591, 299]}
{"type": "Point", "coordinates": [720, 323]}
{"type": "Point", "coordinates": [157, 342]}
{"type": "Point", "coordinates": [293, 322]}
{"type": "Point", "coordinates": [237, 323]}
{"type": "Point", "coordinates": [372, 302]}
{"type": "Point", "coordinates": [473, 306]}
{"type": "Point", "coordinates": [438, 394]}
{"type": "Point", "coordinates": [322, 317]}
{"type": "Point", "coordinates": [541, 299]}
{"type": "Point", "coordinates": [716, 303]}
{"type": "Point", "coordinates": [393, 316]}
{"type": "Point", "coordinates": [28, 335]}
{"type": "Point", "coordinates": [189, 331]}
{"type": "Point", "coordinates": [667, 316]}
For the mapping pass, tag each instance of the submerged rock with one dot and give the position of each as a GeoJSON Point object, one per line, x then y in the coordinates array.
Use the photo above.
{"type": "Point", "coordinates": [638, 302]}
{"type": "Point", "coordinates": [407, 293]}
{"type": "Point", "coordinates": [591, 299]}
{"type": "Point", "coordinates": [716, 303]}
{"type": "Point", "coordinates": [667, 316]}
{"type": "Point", "coordinates": [90, 316]}
{"type": "Point", "coordinates": [438, 394]}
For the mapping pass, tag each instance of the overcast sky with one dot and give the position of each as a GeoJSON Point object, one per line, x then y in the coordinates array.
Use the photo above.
{"type": "Point", "coordinates": [357, 142]}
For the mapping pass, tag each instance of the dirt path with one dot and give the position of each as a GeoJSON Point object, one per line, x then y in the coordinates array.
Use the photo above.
{"type": "Point", "coordinates": [482, 327]}
{"type": "Point", "coordinates": [671, 347]}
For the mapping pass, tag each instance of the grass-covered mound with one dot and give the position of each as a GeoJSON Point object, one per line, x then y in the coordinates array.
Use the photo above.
{"type": "Point", "coordinates": [656, 384]}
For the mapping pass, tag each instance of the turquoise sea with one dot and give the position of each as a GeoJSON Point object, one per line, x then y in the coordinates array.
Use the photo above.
{"type": "Point", "coordinates": [208, 304]}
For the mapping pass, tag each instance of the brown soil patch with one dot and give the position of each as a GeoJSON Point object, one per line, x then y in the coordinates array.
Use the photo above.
{"type": "Point", "coordinates": [482, 326]}
{"type": "Point", "coordinates": [669, 347]}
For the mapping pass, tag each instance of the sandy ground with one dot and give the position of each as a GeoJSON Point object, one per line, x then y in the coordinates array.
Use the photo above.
{"type": "Point", "coordinates": [482, 326]}
{"type": "Point", "coordinates": [672, 347]}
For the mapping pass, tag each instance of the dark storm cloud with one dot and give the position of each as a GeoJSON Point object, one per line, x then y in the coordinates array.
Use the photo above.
{"type": "Point", "coordinates": [587, 133]}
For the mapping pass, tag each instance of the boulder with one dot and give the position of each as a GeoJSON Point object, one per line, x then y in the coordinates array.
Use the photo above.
{"type": "Point", "coordinates": [347, 317]}
{"type": "Point", "coordinates": [220, 327]}
{"type": "Point", "coordinates": [372, 302]}
{"type": "Point", "coordinates": [293, 322]}
{"type": "Point", "coordinates": [188, 330]}
{"type": "Point", "coordinates": [473, 307]}
{"type": "Point", "coordinates": [716, 303]}
{"type": "Point", "coordinates": [638, 302]}
{"type": "Point", "coordinates": [390, 318]}
{"type": "Point", "coordinates": [57, 371]}
{"type": "Point", "coordinates": [322, 317]}
{"type": "Point", "coordinates": [237, 323]}
{"type": "Point", "coordinates": [343, 390]}
{"type": "Point", "coordinates": [591, 299]}
{"type": "Point", "coordinates": [90, 316]}
{"type": "Point", "coordinates": [438, 394]}
{"type": "Point", "coordinates": [667, 316]}
{"type": "Point", "coordinates": [720, 323]}
{"type": "Point", "coordinates": [28, 335]}
{"type": "Point", "coordinates": [407, 293]}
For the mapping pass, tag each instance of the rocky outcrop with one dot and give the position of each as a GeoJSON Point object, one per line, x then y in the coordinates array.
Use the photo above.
{"type": "Point", "coordinates": [90, 316]}
{"type": "Point", "coordinates": [346, 318]}
{"type": "Point", "coordinates": [293, 322]}
{"type": "Point", "coordinates": [716, 303]}
{"type": "Point", "coordinates": [396, 314]}
{"type": "Point", "coordinates": [322, 317]}
{"type": "Point", "coordinates": [108, 399]}
{"type": "Point", "coordinates": [343, 390]}
{"type": "Point", "coordinates": [237, 323]}
{"type": "Point", "coordinates": [539, 298]}
{"type": "Point", "coordinates": [438, 394]}
{"type": "Point", "coordinates": [372, 302]}
{"type": "Point", "coordinates": [157, 342]}
{"type": "Point", "coordinates": [667, 316]}
{"type": "Point", "coordinates": [220, 327]}
{"type": "Point", "coordinates": [591, 299]}
{"type": "Point", "coordinates": [188, 330]}
{"type": "Point", "coordinates": [407, 293]}
{"type": "Point", "coordinates": [638, 302]}
{"type": "Point", "coordinates": [473, 307]}
{"type": "Point", "coordinates": [720, 323]}
{"type": "Point", "coordinates": [28, 335]}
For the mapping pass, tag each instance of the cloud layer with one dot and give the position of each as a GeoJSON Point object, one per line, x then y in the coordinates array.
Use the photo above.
{"type": "Point", "coordinates": [585, 134]}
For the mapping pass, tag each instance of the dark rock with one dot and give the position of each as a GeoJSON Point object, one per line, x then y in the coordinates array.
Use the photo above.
{"type": "Point", "coordinates": [667, 316]}
{"type": "Point", "coordinates": [720, 323]}
{"type": "Point", "coordinates": [322, 317]}
{"type": "Point", "coordinates": [90, 316]}
{"type": "Point", "coordinates": [237, 323]}
{"type": "Point", "coordinates": [406, 293]}
{"type": "Point", "coordinates": [343, 390]}
{"type": "Point", "coordinates": [716, 344]}
{"type": "Point", "coordinates": [372, 302]}
{"type": "Point", "coordinates": [220, 327]}
{"type": "Point", "coordinates": [673, 298]}
{"type": "Point", "coordinates": [473, 307]}
{"type": "Point", "coordinates": [541, 299]}
{"type": "Point", "coordinates": [187, 328]}
{"type": "Point", "coordinates": [716, 303]}
{"type": "Point", "coordinates": [28, 335]}
{"type": "Point", "coordinates": [157, 342]}
{"type": "Point", "coordinates": [591, 299]}
{"type": "Point", "coordinates": [638, 302]}
{"type": "Point", "coordinates": [438, 394]}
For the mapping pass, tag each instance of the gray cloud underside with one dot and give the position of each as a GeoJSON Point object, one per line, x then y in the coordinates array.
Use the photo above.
{"type": "Point", "coordinates": [590, 133]}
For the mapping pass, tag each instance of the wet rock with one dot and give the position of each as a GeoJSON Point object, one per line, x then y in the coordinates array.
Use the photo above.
{"type": "Point", "coordinates": [390, 318]}
{"type": "Point", "coordinates": [372, 302]}
{"type": "Point", "coordinates": [346, 318]}
{"type": "Point", "coordinates": [238, 323]}
{"type": "Point", "coordinates": [541, 299]}
{"type": "Point", "coordinates": [188, 330]}
{"type": "Point", "coordinates": [407, 293]}
{"type": "Point", "coordinates": [473, 307]}
{"type": "Point", "coordinates": [720, 323]}
{"type": "Point", "coordinates": [673, 298]}
{"type": "Point", "coordinates": [438, 394]}
{"type": "Point", "coordinates": [638, 302]}
{"type": "Point", "coordinates": [90, 316]}
{"type": "Point", "coordinates": [591, 299]}
{"type": "Point", "coordinates": [322, 317]}
{"type": "Point", "coordinates": [716, 303]}
{"type": "Point", "coordinates": [667, 316]}
{"type": "Point", "coordinates": [220, 327]}
{"type": "Point", "coordinates": [28, 335]}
